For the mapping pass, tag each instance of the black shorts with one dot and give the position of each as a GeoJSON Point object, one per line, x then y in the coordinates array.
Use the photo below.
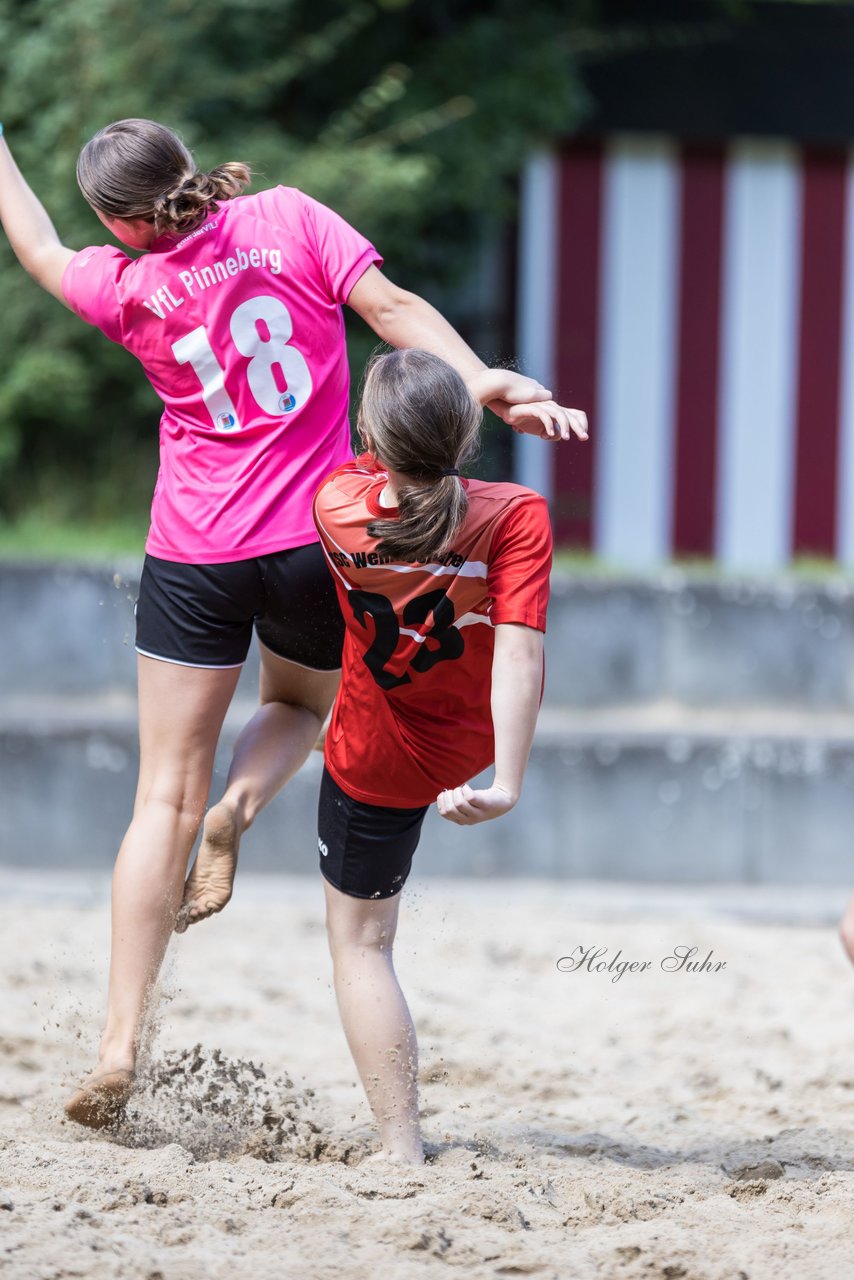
{"type": "Point", "coordinates": [365, 849]}
{"type": "Point", "coordinates": [202, 615]}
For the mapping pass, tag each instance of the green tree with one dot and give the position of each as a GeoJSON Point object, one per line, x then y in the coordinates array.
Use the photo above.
{"type": "Point", "coordinates": [410, 117]}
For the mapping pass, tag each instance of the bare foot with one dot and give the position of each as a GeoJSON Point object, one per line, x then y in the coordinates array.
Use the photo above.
{"type": "Point", "coordinates": [101, 1101]}
{"type": "Point", "coordinates": [395, 1157]}
{"type": "Point", "coordinates": [210, 883]}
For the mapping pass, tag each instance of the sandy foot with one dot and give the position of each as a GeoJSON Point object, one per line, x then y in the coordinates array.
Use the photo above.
{"type": "Point", "coordinates": [384, 1158]}
{"type": "Point", "coordinates": [100, 1102]}
{"type": "Point", "coordinates": [210, 883]}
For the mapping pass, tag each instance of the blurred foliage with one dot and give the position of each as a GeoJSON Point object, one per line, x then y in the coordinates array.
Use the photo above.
{"type": "Point", "coordinates": [410, 117]}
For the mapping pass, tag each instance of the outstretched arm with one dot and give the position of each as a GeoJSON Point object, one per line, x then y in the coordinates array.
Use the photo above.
{"type": "Point", "coordinates": [404, 319]}
{"type": "Point", "coordinates": [517, 681]}
{"type": "Point", "coordinates": [31, 233]}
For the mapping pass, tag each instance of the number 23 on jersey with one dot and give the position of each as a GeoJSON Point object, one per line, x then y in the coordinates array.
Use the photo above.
{"type": "Point", "coordinates": [445, 640]}
{"type": "Point", "coordinates": [277, 373]}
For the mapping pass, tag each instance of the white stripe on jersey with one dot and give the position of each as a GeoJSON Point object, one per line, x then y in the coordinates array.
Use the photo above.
{"type": "Point", "coordinates": [471, 569]}
{"type": "Point", "coordinates": [467, 620]}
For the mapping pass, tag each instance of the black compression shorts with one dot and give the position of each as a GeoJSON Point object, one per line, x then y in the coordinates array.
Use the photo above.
{"type": "Point", "coordinates": [202, 615]}
{"type": "Point", "coordinates": [365, 849]}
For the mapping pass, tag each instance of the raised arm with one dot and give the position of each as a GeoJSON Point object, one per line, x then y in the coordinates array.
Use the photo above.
{"type": "Point", "coordinates": [30, 231]}
{"type": "Point", "coordinates": [517, 681]}
{"type": "Point", "coordinates": [404, 319]}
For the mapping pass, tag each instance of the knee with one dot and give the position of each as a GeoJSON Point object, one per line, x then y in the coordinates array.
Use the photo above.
{"type": "Point", "coordinates": [312, 694]}
{"type": "Point", "coordinates": [301, 706]}
{"type": "Point", "coordinates": [350, 944]}
{"type": "Point", "coordinates": [181, 799]}
{"type": "Point", "coordinates": [316, 708]}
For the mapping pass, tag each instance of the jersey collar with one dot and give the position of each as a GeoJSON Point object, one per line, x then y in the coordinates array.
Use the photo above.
{"type": "Point", "coordinates": [171, 240]}
{"type": "Point", "coordinates": [373, 499]}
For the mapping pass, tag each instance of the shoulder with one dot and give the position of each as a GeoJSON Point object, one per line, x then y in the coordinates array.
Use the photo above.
{"type": "Point", "coordinates": [500, 499]}
{"type": "Point", "coordinates": [97, 262]}
{"type": "Point", "coordinates": [503, 491]}
{"type": "Point", "coordinates": [282, 205]}
{"type": "Point", "coordinates": [516, 520]}
{"type": "Point", "coordinates": [291, 207]}
{"type": "Point", "coordinates": [291, 212]}
{"type": "Point", "coordinates": [346, 484]}
{"type": "Point", "coordinates": [93, 286]}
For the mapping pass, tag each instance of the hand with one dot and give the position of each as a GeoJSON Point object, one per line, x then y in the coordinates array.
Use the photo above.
{"type": "Point", "coordinates": [465, 806]}
{"type": "Point", "coordinates": [543, 418]}
{"type": "Point", "coordinates": [505, 385]}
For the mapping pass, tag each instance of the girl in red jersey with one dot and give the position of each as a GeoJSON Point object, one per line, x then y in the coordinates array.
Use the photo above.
{"type": "Point", "coordinates": [443, 584]}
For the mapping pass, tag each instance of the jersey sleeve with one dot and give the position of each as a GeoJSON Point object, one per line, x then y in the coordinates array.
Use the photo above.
{"type": "Point", "coordinates": [90, 287]}
{"type": "Point", "coordinates": [344, 253]}
{"type": "Point", "coordinates": [318, 508]}
{"type": "Point", "coordinates": [322, 511]}
{"type": "Point", "coordinates": [520, 563]}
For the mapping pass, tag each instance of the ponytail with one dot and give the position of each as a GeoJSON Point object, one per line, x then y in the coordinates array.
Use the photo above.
{"type": "Point", "coordinates": [197, 195]}
{"type": "Point", "coordinates": [419, 418]}
{"type": "Point", "coordinates": [429, 517]}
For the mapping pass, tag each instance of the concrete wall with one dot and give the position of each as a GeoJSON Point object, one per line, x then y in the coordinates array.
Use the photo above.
{"type": "Point", "coordinates": [69, 631]}
{"type": "Point", "coordinates": [693, 730]}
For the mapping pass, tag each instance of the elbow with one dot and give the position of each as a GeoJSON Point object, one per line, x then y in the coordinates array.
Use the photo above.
{"type": "Point", "coordinates": [389, 314]}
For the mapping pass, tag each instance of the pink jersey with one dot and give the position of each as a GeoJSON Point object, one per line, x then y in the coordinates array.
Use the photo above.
{"type": "Point", "coordinates": [238, 327]}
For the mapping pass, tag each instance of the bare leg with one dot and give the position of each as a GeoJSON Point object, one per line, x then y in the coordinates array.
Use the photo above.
{"type": "Point", "coordinates": [269, 751]}
{"type": "Point", "coordinates": [846, 930]}
{"type": "Point", "coordinates": [181, 710]}
{"type": "Point", "coordinates": [375, 1016]}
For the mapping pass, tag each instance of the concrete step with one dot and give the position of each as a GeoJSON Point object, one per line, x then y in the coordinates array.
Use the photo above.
{"type": "Point", "coordinates": [661, 793]}
{"type": "Point", "coordinates": [682, 638]}
{"type": "Point", "coordinates": [48, 713]}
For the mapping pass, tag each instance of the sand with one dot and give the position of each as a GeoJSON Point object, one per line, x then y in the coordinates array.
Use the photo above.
{"type": "Point", "coordinates": [682, 1125]}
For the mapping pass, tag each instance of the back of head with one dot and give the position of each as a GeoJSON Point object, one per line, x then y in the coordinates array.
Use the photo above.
{"type": "Point", "coordinates": [419, 419]}
{"type": "Point", "coordinates": [140, 169]}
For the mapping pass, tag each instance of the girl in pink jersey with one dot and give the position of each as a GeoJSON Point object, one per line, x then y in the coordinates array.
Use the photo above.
{"type": "Point", "coordinates": [443, 584]}
{"type": "Point", "coordinates": [234, 311]}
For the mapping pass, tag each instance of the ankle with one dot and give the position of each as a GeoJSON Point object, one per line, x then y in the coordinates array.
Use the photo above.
{"type": "Point", "coordinates": [117, 1052]}
{"type": "Point", "coordinates": [402, 1146]}
{"type": "Point", "coordinates": [240, 810]}
{"type": "Point", "coordinates": [408, 1154]}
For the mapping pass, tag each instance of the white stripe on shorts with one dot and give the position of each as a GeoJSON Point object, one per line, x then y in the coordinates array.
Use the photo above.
{"type": "Point", "coordinates": [199, 666]}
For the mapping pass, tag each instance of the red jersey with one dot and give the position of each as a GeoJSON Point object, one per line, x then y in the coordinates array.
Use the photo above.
{"type": "Point", "coordinates": [412, 716]}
